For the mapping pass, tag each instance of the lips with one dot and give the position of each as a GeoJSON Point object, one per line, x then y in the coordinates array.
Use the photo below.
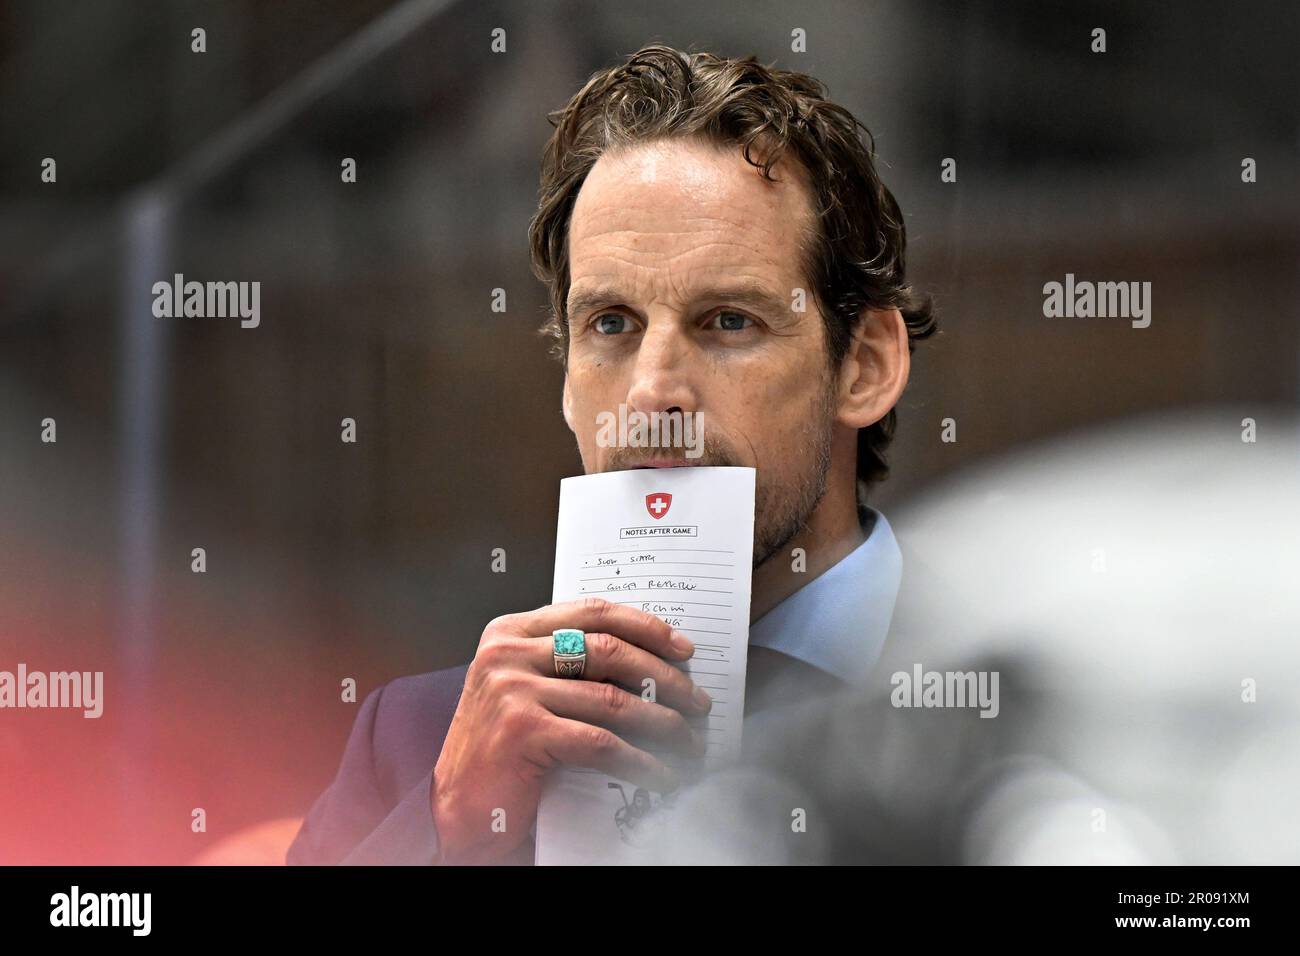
{"type": "Point", "coordinates": [666, 463]}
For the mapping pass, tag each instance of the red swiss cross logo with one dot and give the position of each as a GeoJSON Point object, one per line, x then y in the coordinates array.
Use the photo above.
{"type": "Point", "coordinates": [658, 504]}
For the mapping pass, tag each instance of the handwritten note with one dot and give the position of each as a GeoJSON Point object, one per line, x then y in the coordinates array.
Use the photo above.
{"type": "Point", "coordinates": [677, 543]}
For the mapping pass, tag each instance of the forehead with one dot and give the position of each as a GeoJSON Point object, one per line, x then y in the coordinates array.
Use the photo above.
{"type": "Point", "coordinates": [685, 209]}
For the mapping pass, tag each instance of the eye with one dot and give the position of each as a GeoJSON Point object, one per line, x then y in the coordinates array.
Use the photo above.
{"type": "Point", "coordinates": [728, 321]}
{"type": "Point", "coordinates": [611, 323]}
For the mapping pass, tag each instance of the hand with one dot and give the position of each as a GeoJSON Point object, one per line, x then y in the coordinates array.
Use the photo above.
{"type": "Point", "coordinates": [516, 720]}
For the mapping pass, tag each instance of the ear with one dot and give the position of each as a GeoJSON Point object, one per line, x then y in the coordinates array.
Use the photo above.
{"type": "Point", "coordinates": [566, 404]}
{"type": "Point", "coordinates": [875, 368]}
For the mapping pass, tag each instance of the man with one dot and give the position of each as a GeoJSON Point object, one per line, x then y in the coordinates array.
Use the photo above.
{"type": "Point", "coordinates": [716, 241]}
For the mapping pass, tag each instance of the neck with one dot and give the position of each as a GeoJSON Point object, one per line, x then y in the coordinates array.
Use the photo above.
{"type": "Point", "coordinates": [830, 535]}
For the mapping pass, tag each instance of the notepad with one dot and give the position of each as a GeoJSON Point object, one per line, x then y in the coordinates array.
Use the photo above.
{"type": "Point", "coordinates": [677, 543]}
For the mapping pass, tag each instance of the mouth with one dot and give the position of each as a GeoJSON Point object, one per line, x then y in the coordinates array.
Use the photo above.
{"type": "Point", "coordinates": [667, 463]}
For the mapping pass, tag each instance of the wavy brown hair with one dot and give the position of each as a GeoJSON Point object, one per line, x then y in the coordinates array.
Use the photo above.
{"type": "Point", "coordinates": [854, 258]}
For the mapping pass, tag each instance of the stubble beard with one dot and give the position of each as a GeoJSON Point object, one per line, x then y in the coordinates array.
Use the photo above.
{"type": "Point", "coordinates": [781, 509]}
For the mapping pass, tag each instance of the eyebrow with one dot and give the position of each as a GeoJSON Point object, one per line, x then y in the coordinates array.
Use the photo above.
{"type": "Point", "coordinates": [752, 294]}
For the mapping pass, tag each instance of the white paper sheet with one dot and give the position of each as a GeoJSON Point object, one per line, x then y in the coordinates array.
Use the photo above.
{"type": "Point", "coordinates": [677, 543]}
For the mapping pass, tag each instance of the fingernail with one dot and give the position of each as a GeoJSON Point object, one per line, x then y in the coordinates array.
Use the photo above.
{"type": "Point", "coordinates": [703, 699]}
{"type": "Point", "coordinates": [682, 643]}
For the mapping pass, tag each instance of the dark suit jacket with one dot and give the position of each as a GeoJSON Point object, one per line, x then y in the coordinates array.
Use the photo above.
{"type": "Point", "coordinates": [377, 810]}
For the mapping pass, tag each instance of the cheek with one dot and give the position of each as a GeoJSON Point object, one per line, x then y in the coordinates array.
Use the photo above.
{"type": "Point", "coordinates": [590, 389]}
{"type": "Point", "coordinates": [592, 377]}
{"type": "Point", "coordinates": [769, 400]}
{"type": "Point", "coordinates": [590, 393]}
{"type": "Point", "coordinates": [779, 415]}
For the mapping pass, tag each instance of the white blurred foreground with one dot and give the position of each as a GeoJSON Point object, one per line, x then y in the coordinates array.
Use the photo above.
{"type": "Point", "coordinates": [1136, 589]}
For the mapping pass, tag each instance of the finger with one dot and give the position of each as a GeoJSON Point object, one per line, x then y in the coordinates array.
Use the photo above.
{"type": "Point", "coordinates": [611, 659]}
{"type": "Point", "coordinates": [628, 715]}
{"type": "Point", "coordinates": [576, 744]}
{"type": "Point", "coordinates": [633, 625]}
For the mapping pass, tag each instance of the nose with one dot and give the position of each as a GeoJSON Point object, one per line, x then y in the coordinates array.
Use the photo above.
{"type": "Point", "coordinates": [662, 378]}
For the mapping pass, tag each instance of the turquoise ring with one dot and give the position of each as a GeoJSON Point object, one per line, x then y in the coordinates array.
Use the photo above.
{"type": "Point", "coordinates": [569, 648]}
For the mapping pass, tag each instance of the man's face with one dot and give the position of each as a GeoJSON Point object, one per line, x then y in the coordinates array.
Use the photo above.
{"type": "Point", "coordinates": [684, 263]}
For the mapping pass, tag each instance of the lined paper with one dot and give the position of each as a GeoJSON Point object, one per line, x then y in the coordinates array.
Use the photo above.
{"type": "Point", "coordinates": [676, 543]}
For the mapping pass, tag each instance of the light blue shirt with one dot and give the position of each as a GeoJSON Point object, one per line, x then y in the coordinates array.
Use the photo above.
{"type": "Point", "coordinates": [838, 621]}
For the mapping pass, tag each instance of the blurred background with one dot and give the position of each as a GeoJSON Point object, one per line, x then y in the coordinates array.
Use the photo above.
{"type": "Point", "coordinates": [328, 560]}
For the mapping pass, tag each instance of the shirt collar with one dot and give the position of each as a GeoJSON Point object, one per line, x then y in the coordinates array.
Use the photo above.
{"type": "Point", "coordinates": [838, 621]}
